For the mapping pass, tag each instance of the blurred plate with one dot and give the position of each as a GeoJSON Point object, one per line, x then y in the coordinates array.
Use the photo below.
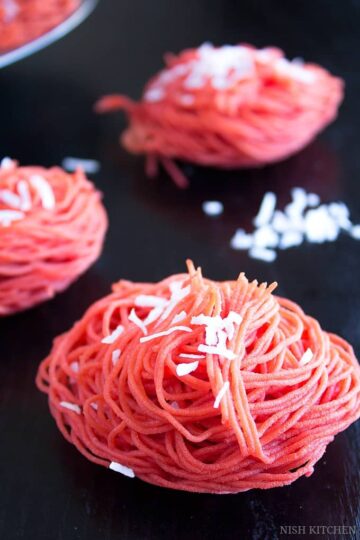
{"type": "Point", "coordinates": [50, 37]}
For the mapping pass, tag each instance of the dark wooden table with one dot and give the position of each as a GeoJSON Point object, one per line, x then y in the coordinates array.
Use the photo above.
{"type": "Point", "coordinates": [47, 489]}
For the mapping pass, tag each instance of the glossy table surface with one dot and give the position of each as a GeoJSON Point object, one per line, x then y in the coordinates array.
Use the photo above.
{"type": "Point", "coordinates": [48, 490]}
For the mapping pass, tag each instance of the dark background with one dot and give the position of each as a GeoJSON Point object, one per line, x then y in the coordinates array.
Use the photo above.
{"type": "Point", "coordinates": [47, 489]}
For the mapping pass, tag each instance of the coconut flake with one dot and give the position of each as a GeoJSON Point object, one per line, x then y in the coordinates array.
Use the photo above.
{"type": "Point", "coordinates": [265, 237]}
{"type": "Point", "coordinates": [46, 194]}
{"type": "Point", "coordinates": [306, 357]}
{"type": "Point", "coordinates": [24, 194]}
{"type": "Point", "coordinates": [8, 216]}
{"type": "Point", "coordinates": [111, 338]}
{"type": "Point", "coordinates": [21, 200]}
{"type": "Point", "coordinates": [355, 232]}
{"type": "Point", "coordinates": [154, 314]}
{"type": "Point", "coordinates": [319, 226]}
{"type": "Point", "coordinates": [264, 56]}
{"type": "Point", "coordinates": [212, 208]}
{"type": "Point", "coordinates": [115, 355]}
{"type": "Point", "coordinates": [144, 300]}
{"type": "Point", "coordinates": [136, 320]}
{"type": "Point", "coordinates": [89, 166]}
{"type": "Point", "coordinates": [340, 213]}
{"type": "Point", "coordinates": [217, 331]}
{"type": "Point", "coordinates": [230, 321]}
{"type": "Point", "coordinates": [194, 82]}
{"type": "Point", "coordinates": [294, 211]}
{"type": "Point", "coordinates": [165, 333]}
{"type": "Point", "coordinates": [294, 71]}
{"type": "Point", "coordinates": [71, 406]}
{"type": "Point", "coordinates": [179, 317]}
{"type": "Point", "coordinates": [156, 302]}
{"type": "Point", "coordinates": [234, 317]}
{"type": "Point", "coordinates": [291, 239]}
{"type": "Point", "coordinates": [177, 290]}
{"type": "Point", "coordinates": [220, 351]}
{"type": "Point", "coordinates": [280, 222]}
{"type": "Point", "coordinates": [169, 75]}
{"type": "Point", "coordinates": [162, 307]}
{"type": "Point", "coordinates": [241, 240]}
{"type": "Point", "coordinates": [122, 469]}
{"type": "Point", "coordinates": [266, 210]}
{"type": "Point", "coordinates": [178, 293]}
{"type": "Point", "coordinates": [267, 255]}
{"type": "Point", "coordinates": [10, 199]}
{"type": "Point", "coordinates": [7, 164]}
{"type": "Point", "coordinates": [154, 94]}
{"type": "Point", "coordinates": [186, 369]}
{"type": "Point", "coordinates": [313, 199]}
{"type": "Point", "coordinates": [221, 394]}
{"type": "Point", "coordinates": [185, 355]}
{"type": "Point", "coordinates": [213, 325]}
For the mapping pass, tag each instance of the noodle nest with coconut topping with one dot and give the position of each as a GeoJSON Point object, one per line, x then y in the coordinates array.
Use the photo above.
{"type": "Point", "coordinates": [52, 228]}
{"type": "Point", "coordinates": [202, 386]}
{"type": "Point", "coordinates": [227, 107]}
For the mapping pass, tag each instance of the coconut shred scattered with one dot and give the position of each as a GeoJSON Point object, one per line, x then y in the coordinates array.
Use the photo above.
{"type": "Point", "coordinates": [222, 68]}
{"type": "Point", "coordinates": [71, 407]}
{"type": "Point", "coordinates": [89, 166]}
{"type": "Point", "coordinates": [115, 355]}
{"type": "Point", "coordinates": [306, 357]}
{"type": "Point", "coordinates": [185, 355]}
{"type": "Point", "coordinates": [44, 190]}
{"type": "Point", "coordinates": [186, 369]}
{"type": "Point", "coordinates": [122, 469]}
{"type": "Point", "coordinates": [10, 198]}
{"type": "Point", "coordinates": [7, 163]}
{"type": "Point", "coordinates": [305, 218]}
{"type": "Point", "coordinates": [7, 217]}
{"type": "Point", "coordinates": [111, 338]}
{"type": "Point", "coordinates": [213, 208]}
{"type": "Point", "coordinates": [179, 317]}
{"type": "Point", "coordinates": [221, 394]}
{"type": "Point", "coordinates": [24, 196]}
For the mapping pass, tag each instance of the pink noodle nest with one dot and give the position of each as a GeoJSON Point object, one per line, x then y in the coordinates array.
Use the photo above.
{"type": "Point", "coordinates": [52, 228]}
{"type": "Point", "coordinates": [228, 107]}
